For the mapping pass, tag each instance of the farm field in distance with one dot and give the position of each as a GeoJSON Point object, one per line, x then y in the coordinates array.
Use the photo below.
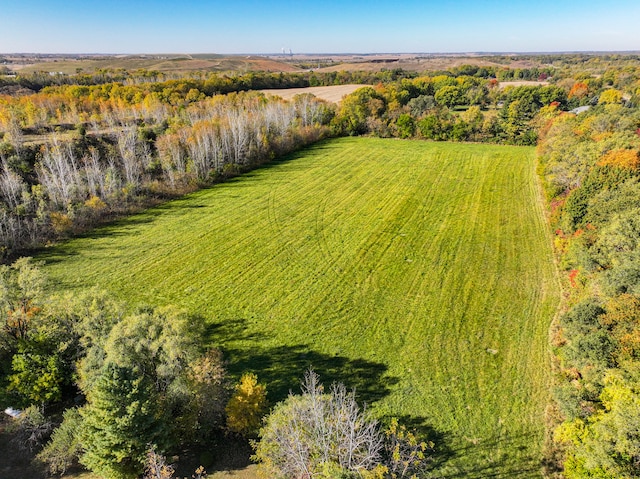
{"type": "Point", "coordinates": [333, 93]}
{"type": "Point", "coordinates": [419, 273]}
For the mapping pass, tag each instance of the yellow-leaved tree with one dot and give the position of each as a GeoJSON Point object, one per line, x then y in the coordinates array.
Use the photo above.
{"type": "Point", "coordinates": [247, 406]}
{"type": "Point", "coordinates": [610, 96]}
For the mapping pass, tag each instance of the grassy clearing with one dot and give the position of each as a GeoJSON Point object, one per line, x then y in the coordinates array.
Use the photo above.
{"type": "Point", "coordinates": [419, 273]}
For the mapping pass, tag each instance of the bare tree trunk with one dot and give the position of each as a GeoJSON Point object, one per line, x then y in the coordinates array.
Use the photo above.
{"type": "Point", "coordinates": [12, 187]}
{"type": "Point", "coordinates": [58, 174]}
{"type": "Point", "coordinates": [239, 136]}
{"type": "Point", "coordinates": [14, 134]}
{"type": "Point", "coordinates": [127, 142]}
{"type": "Point", "coordinates": [171, 157]}
{"type": "Point", "coordinates": [93, 173]}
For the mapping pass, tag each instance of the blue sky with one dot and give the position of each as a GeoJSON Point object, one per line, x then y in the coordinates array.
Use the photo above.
{"type": "Point", "coordinates": [251, 26]}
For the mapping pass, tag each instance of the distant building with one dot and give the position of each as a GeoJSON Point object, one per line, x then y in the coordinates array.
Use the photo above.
{"type": "Point", "coordinates": [580, 109]}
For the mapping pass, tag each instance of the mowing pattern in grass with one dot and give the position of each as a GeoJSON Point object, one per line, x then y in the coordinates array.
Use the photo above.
{"type": "Point", "coordinates": [419, 273]}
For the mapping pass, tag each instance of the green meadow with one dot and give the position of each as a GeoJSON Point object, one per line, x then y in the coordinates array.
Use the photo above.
{"type": "Point", "coordinates": [419, 273]}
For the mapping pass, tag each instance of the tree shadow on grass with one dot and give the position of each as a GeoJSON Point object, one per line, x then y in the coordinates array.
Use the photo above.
{"type": "Point", "coordinates": [494, 457]}
{"type": "Point", "coordinates": [225, 454]}
{"type": "Point", "coordinates": [219, 332]}
{"type": "Point", "coordinates": [282, 369]}
{"type": "Point", "coordinates": [303, 152]}
{"type": "Point", "coordinates": [64, 248]}
{"type": "Point", "coordinates": [441, 452]}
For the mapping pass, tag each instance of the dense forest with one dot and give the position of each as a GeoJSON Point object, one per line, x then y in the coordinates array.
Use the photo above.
{"type": "Point", "coordinates": [102, 383]}
{"type": "Point", "coordinates": [591, 167]}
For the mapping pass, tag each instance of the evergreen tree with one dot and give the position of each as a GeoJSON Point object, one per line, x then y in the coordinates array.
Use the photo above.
{"type": "Point", "coordinates": [120, 421]}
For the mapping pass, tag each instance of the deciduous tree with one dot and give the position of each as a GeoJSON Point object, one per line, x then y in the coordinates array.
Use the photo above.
{"type": "Point", "coordinates": [21, 296]}
{"type": "Point", "coordinates": [247, 406]}
{"type": "Point", "coordinates": [304, 434]}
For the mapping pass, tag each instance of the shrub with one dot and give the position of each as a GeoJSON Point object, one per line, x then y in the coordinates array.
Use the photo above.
{"type": "Point", "coordinates": [583, 316]}
{"type": "Point", "coordinates": [61, 223]}
{"type": "Point", "coordinates": [305, 435]}
{"type": "Point", "coordinates": [64, 448]}
{"type": "Point", "coordinates": [33, 429]}
{"type": "Point", "coordinates": [327, 435]}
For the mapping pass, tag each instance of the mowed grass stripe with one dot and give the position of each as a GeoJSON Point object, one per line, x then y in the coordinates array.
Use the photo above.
{"type": "Point", "coordinates": [420, 273]}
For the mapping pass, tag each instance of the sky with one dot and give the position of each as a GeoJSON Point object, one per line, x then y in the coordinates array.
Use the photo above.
{"type": "Point", "coordinates": [329, 26]}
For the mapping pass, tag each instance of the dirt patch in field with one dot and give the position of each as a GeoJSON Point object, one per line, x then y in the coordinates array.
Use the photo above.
{"type": "Point", "coordinates": [333, 94]}
{"type": "Point", "coordinates": [420, 63]}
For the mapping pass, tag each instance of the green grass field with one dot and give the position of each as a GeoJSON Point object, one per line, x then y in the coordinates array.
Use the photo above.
{"type": "Point", "coordinates": [419, 273]}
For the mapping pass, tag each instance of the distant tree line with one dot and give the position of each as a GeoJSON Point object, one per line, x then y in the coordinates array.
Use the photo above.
{"type": "Point", "coordinates": [207, 83]}
{"type": "Point", "coordinates": [462, 104]}
{"type": "Point", "coordinates": [447, 108]}
{"type": "Point", "coordinates": [221, 83]}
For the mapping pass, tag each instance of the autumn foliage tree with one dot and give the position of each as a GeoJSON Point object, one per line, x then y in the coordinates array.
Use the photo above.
{"type": "Point", "coordinates": [247, 406]}
{"type": "Point", "coordinates": [578, 90]}
{"type": "Point", "coordinates": [626, 158]}
{"type": "Point", "coordinates": [610, 96]}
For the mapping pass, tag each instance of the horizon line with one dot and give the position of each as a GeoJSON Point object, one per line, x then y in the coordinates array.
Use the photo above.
{"type": "Point", "coordinates": [460, 53]}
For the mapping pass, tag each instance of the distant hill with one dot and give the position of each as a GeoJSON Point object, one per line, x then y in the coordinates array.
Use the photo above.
{"type": "Point", "coordinates": [164, 63]}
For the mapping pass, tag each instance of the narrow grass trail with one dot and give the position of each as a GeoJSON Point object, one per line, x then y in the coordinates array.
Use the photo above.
{"type": "Point", "coordinates": [419, 273]}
